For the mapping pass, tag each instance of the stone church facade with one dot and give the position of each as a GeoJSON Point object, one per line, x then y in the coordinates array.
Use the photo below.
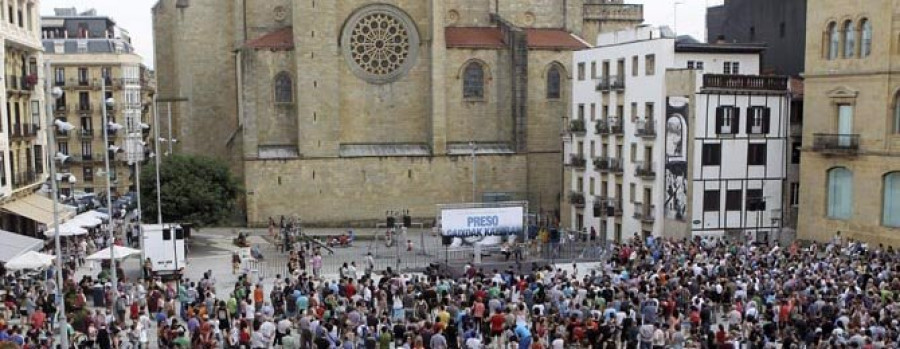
{"type": "Point", "coordinates": [338, 111]}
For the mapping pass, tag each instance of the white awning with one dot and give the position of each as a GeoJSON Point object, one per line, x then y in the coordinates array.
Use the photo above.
{"type": "Point", "coordinates": [37, 208]}
{"type": "Point", "coordinates": [12, 245]}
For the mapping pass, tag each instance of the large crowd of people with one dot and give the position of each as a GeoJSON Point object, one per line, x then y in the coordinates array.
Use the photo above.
{"type": "Point", "coordinates": [647, 293]}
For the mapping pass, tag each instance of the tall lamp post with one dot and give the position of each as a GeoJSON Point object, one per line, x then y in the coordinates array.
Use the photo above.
{"type": "Point", "coordinates": [52, 93]}
{"type": "Point", "coordinates": [474, 148]}
{"type": "Point", "coordinates": [108, 102]}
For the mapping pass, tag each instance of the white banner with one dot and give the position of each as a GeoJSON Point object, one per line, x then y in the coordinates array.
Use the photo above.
{"type": "Point", "coordinates": [472, 222]}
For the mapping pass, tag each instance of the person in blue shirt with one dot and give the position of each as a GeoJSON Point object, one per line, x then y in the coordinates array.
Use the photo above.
{"type": "Point", "coordinates": [302, 303]}
{"type": "Point", "coordinates": [524, 335]}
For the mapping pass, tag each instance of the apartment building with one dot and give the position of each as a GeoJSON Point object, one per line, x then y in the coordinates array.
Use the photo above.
{"type": "Point", "coordinates": [22, 141]}
{"type": "Point", "coordinates": [851, 132]}
{"type": "Point", "coordinates": [630, 161]}
{"type": "Point", "coordinates": [94, 63]}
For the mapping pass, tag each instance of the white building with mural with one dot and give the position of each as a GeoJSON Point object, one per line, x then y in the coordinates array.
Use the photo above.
{"type": "Point", "coordinates": [630, 166]}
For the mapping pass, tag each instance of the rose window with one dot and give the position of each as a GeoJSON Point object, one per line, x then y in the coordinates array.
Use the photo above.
{"type": "Point", "coordinates": [380, 43]}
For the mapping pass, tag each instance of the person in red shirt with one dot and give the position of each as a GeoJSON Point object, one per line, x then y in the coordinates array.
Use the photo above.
{"type": "Point", "coordinates": [38, 318]}
{"type": "Point", "coordinates": [497, 321]}
{"type": "Point", "coordinates": [350, 290]}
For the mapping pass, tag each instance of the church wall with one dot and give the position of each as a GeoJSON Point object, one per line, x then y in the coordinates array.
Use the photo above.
{"type": "Point", "coordinates": [270, 123]}
{"type": "Point", "coordinates": [483, 120]}
{"type": "Point", "coordinates": [342, 192]}
{"type": "Point", "coordinates": [396, 112]}
{"type": "Point", "coordinates": [468, 13]}
{"type": "Point", "coordinates": [534, 13]}
{"type": "Point", "coordinates": [261, 16]}
{"type": "Point", "coordinates": [316, 30]}
{"type": "Point", "coordinates": [545, 116]}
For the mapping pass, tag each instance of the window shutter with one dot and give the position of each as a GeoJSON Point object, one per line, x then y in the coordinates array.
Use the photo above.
{"type": "Point", "coordinates": [720, 111]}
{"type": "Point", "coordinates": [767, 116]}
{"type": "Point", "coordinates": [737, 120]}
{"type": "Point", "coordinates": [749, 122]}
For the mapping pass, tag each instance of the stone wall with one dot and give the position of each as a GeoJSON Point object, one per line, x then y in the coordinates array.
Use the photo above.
{"type": "Point", "coordinates": [482, 120]}
{"type": "Point", "coordinates": [342, 192]}
{"type": "Point", "coordinates": [869, 84]}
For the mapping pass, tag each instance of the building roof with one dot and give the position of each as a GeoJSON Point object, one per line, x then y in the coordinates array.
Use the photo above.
{"type": "Point", "coordinates": [70, 46]}
{"type": "Point", "coordinates": [492, 38]}
{"type": "Point", "coordinates": [686, 43]}
{"type": "Point", "coordinates": [281, 39]}
{"type": "Point", "coordinates": [473, 37]}
{"type": "Point", "coordinates": [554, 39]}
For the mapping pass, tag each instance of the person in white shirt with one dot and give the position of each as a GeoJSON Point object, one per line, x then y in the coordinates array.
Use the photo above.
{"type": "Point", "coordinates": [474, 343]}
{"type": "Point", "coordinates": [558, 343]}
{"type": "Point", "coordinates": [267, 329]}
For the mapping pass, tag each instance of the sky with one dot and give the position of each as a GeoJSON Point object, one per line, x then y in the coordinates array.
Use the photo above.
{"type": "Point", "coordinates": [135, 17]}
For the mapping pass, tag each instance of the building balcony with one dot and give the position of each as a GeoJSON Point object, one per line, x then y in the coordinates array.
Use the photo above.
{"type": "Point", "coordinates": [646, 128]}
{"type": "Point", "coordinates": [577, 127]}
{"type": "Point", "coordinates": [602, 84]}
{"type": "Point", "coordinates": [614, 207]}
{"type": "Point", "coordinates": [645, 170]}
{"type": "Point", "coordinates": [617, 82]}
{"type": "Point", "coordinates": [87, 158]}
{"type": "Point", "coordinates": [15, 131]}
{"type": "Point", "coordinates": [82, 84]}
{"type": "Point", "coordinates": [85, 107]}
{"type": "Point", "coordinates": [601, 164]}
{"type": "Point", "coordinates": [60, 110]}
{"type": "Point", "coordinates": [21, 84]}
{"type": "Point", "coordinates": [577, 161]}
{"type": "Point", "coordinates": [30, 130]}
{"type": "Point", "coordinates": [610, 83]}
{"type": "Point", "coordinates": [601, 127]}
{"type": "Point", "coordinates": [745, 82]}
{"type": "Point", "coordinates": [576, 199]}
{"type": "Point", "coordinates": [113, 133]}
{"type": "Point", "coordinates": [62, 134]}
{"type": "Point", "coordinates": [615, 166]}
{"type": "Point", "coordinates": [86, 133]}
{"type": "Point", "coordinates": [616, 127]}
{"type": "Point", "coordinates": [23, 179]}
{"type": "Point", "coordinates": [836, 144]}
{"type": "Point", "coordinates": [644, 213]}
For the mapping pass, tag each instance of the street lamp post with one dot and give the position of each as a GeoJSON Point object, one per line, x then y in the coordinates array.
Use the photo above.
{"type": "Point", "coordinates": [112, 237]}
{"type": "Point", "coordinates": [51, 95]}
{"type": "Point", "coordinates": [159, 219]}
{"type": "Point", "coordinates": [474, 147]}
{"type": "Point", "coordinates": [675, 13]}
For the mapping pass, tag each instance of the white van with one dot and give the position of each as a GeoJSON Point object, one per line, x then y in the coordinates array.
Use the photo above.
{"type": "Point", "coordinates": [164, 245]}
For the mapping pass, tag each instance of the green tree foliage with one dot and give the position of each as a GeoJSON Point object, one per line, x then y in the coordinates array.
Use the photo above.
{"type": "Point", "coordinates": [195, 189]}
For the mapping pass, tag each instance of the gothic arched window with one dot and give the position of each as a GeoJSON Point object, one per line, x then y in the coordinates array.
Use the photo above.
{"type": "Point", "coordinates": [284, 88]}
{"type": "Point", "coordinates": [554, 90]}
{"type": "Point", "coordinates": [473, 81]}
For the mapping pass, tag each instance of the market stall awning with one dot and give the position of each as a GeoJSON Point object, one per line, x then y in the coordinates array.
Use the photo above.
{"type": "Point", "coordinates": [119, 251]}
{"type": "Point", "coordinates": [36, 208]}
{"type": "Point", "coordinates": [12, 245]}
{"type": "Point", "coordinates": [30, 260]}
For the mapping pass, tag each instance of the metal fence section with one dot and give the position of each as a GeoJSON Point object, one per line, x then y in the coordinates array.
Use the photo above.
{"type": "Point", "coordinates": [427, 249]}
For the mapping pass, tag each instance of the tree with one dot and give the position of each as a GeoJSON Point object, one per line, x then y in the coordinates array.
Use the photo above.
{"type": "Point", "coordinates": [195, 189]}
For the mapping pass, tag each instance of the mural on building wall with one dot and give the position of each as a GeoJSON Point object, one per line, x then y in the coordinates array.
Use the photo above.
{"type": "Point", "coordinates": [676, 158]}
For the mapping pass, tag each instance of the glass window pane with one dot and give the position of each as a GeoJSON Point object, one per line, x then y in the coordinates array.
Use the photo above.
{"type": "Point", "coordinates": [891, 214]}
{"type": "Point", "coordinates": [840, 193]}
{"type": "Point", "coordinates": [849, 39]}
{"type": "Point", "coordinates": [473, 81]}
{"type": "Point", "coordinates": [553, 83]}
